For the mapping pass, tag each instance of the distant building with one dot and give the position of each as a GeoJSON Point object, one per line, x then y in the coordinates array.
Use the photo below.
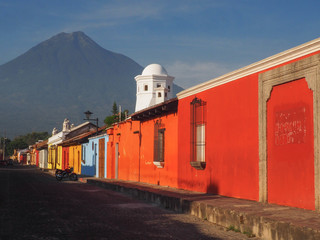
{"type": "Point", "coordinates": [154, 86]}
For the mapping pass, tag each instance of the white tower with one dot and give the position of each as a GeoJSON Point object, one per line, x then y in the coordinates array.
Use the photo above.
{"type": "Point", "coordinates": [154, 86]}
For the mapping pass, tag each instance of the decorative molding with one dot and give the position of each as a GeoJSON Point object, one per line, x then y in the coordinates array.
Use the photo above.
{"type": "Point", "coordinates": [273, 61]}
{"type": "Point", "coordinates": [307, 68]}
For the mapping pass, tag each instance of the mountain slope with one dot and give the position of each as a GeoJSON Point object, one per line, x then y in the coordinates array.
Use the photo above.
{"type": "Point", "coordinates": [63, 77]}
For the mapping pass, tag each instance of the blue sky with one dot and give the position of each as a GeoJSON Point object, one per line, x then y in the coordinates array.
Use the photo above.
{"type": "Point", "coordinates": [194, 40]}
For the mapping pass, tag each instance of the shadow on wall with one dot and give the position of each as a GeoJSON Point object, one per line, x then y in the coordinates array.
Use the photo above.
{"type": "Point", "coordinates": [212, 188]}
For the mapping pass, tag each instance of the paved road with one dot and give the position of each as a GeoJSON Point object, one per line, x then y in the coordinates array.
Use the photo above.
{"type": "Point", "coordinates": [33, 205]}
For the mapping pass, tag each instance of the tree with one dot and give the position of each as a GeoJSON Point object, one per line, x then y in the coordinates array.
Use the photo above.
{"type": "Point", "coordinates": [111, 119]}
{"type": "Point", "coordinates": [4, 142]}
{"type": "Point", "coordinates": [114, 108]}
{"type": "Point", "coordinates": [24, 141]}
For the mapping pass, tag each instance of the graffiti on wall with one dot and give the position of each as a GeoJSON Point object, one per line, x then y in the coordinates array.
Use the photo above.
{"type": "Point", "coordinates": [290, 126]}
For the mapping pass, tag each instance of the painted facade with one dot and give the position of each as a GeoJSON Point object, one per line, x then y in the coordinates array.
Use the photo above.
{"type": "Point", "coordinates": [247, 156]}
{"type": "Point", "coordinates": [94, 156]}
{"type": "Point", "coordinates": [55, 151]}
{"type": "Point", "coordinates": [146, 150]}
{"type": "Point", "coordinates": [22, 156]}
{"type": "Point", "coordinates": [52, 152]}
{"type": "Point", "coordinates": [251, 134]}
{"type": "Point", "coordinates": [75, 158]}
{"type": "Point", "coordinates": [58, 145]}
{"type": "Point", "coordinates": [65, 158]}
{"type": "Point", "coordinates": [42, 154]}
{"type": "Point", "coordinates": [59, 164]}
{"type": "Point", "coordinates": [43, 159]}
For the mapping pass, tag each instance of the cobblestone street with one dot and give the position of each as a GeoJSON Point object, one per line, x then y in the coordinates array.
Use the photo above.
{"type": "Point", "coordinates": [33, 205]}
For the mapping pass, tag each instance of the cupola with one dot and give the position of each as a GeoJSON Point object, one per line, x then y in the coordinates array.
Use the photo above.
{"type": "Point", "coordinates": [154, 86]}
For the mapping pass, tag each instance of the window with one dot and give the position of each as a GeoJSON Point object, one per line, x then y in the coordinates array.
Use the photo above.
{"type": "Point", "coordinates": [83, 154]}
{"type": "Point", "coordinates": [146, 87]}
{"type": "Point", "coordinates": [158, 85]}
{"type": "Point", "coordinates": [50, 155]}
{"type": "Point", "coordinates": [165, 94]}
{"type": "Point", "coordinates": [158, 158]}
{"type": "Point", "coordinates": [198, 133]}
{"type": "Point", "coordinates": [168, 88]}
{"type": "Point", "coordinates": [159, 94]}
{"type": "Point", "coordinates": [59, 156]}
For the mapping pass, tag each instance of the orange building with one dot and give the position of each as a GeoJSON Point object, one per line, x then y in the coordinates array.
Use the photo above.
{"type": "Point", "coordinates": [144, 148]}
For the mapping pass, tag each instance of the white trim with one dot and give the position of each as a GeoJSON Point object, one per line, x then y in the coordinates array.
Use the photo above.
{"type": "Point", "coordinates": [98, 136]}
{"type": "Point", "coordinates": [79, 126]}
{"type": "Point", "coordinates": [275, 60]}
{"type": "Point", "coordinates": [153, 77]}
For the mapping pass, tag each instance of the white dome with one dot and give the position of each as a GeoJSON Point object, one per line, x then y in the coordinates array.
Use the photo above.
{"type": "Point", "coordinates": [154, 69]}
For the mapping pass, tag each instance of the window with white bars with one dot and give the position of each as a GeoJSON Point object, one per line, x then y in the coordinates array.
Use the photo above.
{"type": "Point", "coordinates": [198, 133]}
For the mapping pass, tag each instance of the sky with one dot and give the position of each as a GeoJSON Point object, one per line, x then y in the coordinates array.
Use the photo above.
{"type": "Point", "coordinates": [194, 40]}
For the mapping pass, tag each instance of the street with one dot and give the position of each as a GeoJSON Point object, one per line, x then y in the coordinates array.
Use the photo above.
{"type": "Point", "coordinates": [34, 205]}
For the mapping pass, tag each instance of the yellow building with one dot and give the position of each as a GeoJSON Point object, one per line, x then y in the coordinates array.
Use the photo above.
{"type": "Point", "coordinates": [52, 156]}
{"type": "Point", "coordinates": [57, 141]}
{"type": "Point", "coordinates": [75, 158]}
{"type": "Point", "coordinates": [59, 158]}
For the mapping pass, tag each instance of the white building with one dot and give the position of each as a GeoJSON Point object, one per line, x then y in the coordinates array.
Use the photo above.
{"type": "Point", "coordinates": [154, 86]}
{"type": "Point", "coordinates": [58, 137]}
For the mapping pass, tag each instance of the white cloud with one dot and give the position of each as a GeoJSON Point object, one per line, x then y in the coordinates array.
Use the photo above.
{"type": "Point", "coordinates": [190, 74]}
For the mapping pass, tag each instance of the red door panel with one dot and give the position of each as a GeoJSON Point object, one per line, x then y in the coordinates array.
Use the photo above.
{"type": "Point", "coordinates": [290, 143]}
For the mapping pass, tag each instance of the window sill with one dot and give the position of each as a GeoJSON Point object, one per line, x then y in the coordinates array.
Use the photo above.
{"type": "Point", "coordinates": [198, 165]}
{"type": "Point", "coordinates": [158, 164]}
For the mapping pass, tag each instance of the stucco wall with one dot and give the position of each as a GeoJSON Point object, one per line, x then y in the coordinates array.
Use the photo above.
{"type": "Point", "coordinates": [232, 149]}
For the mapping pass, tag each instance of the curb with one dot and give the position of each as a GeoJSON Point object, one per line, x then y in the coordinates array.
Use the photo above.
{"type": "Point", "coordinates": [260, 224]}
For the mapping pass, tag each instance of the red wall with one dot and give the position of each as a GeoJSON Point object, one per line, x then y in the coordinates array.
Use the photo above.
{"type": "Point", "coordinates": [128, 150]}
{"type": "Point", "coordinates": [65, 157]}
{"type": "Point", "coordinates": [110, 155]}
{"type": "Point", "coordinates": [166, 176]}
{"type": "Point", "coordinates": [232, 147]}
{"type": "Point", "coordinates": [37, 152]}
{"type": "Point", "coordinates": [23, 159]}
{"type": "Point", "coordinates": [232, 138]}
{"type": "Point", "coordinates": [290, 145]}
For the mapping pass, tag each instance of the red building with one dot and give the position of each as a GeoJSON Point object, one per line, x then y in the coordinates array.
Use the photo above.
{"type": "Point", "coordinates": [252, 134]}
{"type": "Point", "coordinates": [260, 131]}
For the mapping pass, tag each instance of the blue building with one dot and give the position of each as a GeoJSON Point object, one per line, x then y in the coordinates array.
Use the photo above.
{"type": "Point", "coordinates": [94, 156]}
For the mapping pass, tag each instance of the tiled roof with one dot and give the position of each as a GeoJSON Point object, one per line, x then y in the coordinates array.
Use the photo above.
{"type": "Point", "coordinates": [160, 109]}
{"type": "Point", "coordinates": [81, 138]}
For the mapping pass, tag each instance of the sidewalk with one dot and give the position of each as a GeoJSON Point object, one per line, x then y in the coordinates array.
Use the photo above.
{"type": "Point", "coordinates": [266, 221]}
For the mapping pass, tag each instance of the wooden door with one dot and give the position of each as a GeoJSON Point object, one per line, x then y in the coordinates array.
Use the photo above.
{"type": "Point", "coordinates": [101, 157]}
